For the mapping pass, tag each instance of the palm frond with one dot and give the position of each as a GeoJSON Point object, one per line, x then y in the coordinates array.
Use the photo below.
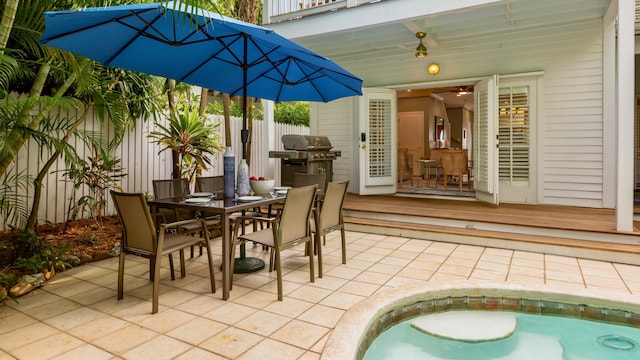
{"type": "Point", "coordinates": [14, 207]}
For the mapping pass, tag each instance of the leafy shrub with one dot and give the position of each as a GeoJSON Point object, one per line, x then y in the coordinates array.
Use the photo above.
{"type": "Point", "coordinates": [294, 113]}
{"type": "Point", "coordinates": [234, 109]}
{"type": "Point", "coordinates": [34, 255]}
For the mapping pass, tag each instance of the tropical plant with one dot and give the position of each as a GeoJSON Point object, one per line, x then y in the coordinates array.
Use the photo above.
{"type": "Point", "coordinates": [7, 278]}
{"type": "Point", "coordinates": [13, 187]}
{"type": "Point", "coordinates": [190, 136]}
{"type": "Point", "coordinates": [56, 85]}
{"type": "Point", "coordinates": [45, 257]}
{"type": "Point", "coordinates": [98, 174]}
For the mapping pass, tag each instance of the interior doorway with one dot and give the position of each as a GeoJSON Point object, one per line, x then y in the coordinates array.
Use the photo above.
{"type": "Point", "coordinates": [447, 124]}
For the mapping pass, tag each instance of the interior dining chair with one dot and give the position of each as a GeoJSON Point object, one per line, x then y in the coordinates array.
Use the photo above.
{"type": "Point", "coordinates": [405, 166]}
{"type": "Point", "coordinates": [140, 237]}
{"type": "Point", "coordinates": [330, 219]}
{"type": "Point", "coordinates": [170, 188]}
{"type": "Point", "coordinates": [435, 154]}
{"type": "Point", "coordinates": [455, 164]}
{"type": "Point", "coordinates": [287, 230]}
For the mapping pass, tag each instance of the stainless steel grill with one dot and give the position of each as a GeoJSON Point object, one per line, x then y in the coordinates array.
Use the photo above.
{"type": "Point", "coordinates": [309, 154]}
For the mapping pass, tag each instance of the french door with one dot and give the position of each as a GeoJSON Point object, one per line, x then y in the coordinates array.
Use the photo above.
{"type": "Point", "coordinates": [485, 140]}
{"type": "Point", "coordinates": [377, 141]}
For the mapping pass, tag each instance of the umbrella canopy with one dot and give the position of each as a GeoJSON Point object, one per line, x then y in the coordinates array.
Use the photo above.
{"type": "Point", "coordinates": [201, 48]}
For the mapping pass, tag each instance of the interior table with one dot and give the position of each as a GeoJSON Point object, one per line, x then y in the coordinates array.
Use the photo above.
{"type": "Point", "coordinates": [223, 207]}
{"type": "Point", "coordinates": [429, 164]}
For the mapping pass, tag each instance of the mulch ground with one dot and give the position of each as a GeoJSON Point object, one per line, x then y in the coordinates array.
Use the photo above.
{"type": "Point", "coordinates": [80, 236]}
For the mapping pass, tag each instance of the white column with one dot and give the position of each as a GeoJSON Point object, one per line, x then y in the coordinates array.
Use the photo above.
{"type": "Point", "coordinates": [625, 79]}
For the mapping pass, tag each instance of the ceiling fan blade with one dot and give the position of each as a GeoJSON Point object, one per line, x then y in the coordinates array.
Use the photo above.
{"type": "Point", "coordinates": [431, 42]}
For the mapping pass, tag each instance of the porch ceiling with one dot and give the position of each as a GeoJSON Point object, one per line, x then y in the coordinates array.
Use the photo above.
{"type": "Point", "coordinates": [474, 41]}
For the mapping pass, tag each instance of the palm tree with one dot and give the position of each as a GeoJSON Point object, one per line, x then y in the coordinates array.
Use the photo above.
{"type": "Point", "coordinates": [56, 79]}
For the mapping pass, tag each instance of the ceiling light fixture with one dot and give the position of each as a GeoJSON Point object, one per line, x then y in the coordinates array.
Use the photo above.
{"type": "Point", "coordinates": [464, 91]}
{"type": "Point", "coordinates": [421, 50]}
{"type": "Point", "coordinates": [433, 69]}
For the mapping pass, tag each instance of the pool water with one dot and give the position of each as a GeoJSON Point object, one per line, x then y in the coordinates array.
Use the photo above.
{"type": "Point", "coordinates": [537, 337]}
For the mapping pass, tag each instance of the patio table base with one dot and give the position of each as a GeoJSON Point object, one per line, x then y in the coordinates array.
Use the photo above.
{"type": "Point", "coordinates": [247, 265]}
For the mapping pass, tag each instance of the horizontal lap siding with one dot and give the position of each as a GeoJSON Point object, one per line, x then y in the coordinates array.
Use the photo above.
{"type": "Point", "coordinates": [335, 120]}
{"type": "Point", "coordinates": [572, 118]}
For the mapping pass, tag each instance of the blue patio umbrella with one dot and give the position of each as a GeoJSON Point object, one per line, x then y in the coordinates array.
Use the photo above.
{"type": "Point", "coordinates": [202, 48]}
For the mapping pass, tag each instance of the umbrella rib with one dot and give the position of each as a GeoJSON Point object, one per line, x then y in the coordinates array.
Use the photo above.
{"type": "Point", "coordinates": [138, 34]}
{"type": "Point", "coordinates": [225, 47]}
{"type": "Point", "coordinates": [264, 57]}
{"type": "Point", "coordinates": [306, 78]}
{"type": "Point", "coordinates": [102, 23]}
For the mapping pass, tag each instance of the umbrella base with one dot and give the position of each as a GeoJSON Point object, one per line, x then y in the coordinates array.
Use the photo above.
{"type": "Point", "coordinates": [247, 265]}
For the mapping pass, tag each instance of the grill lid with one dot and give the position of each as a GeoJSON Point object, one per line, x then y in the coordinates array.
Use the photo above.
{"type": "Point", "coordinates": [306, 142]}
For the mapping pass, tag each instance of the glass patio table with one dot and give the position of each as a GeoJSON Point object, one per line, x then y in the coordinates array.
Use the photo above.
{"type": "Point", "coordinates": [223, 207]}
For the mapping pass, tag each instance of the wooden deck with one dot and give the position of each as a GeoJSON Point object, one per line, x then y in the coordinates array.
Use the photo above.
{"type": "Point", "coordinates": [403, 214]}
{"type": "Point", "coordinates": [544, 216]}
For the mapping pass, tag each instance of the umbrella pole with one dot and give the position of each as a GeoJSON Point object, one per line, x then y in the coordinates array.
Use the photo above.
{"type": "Point", "coordinates": [245, 264]}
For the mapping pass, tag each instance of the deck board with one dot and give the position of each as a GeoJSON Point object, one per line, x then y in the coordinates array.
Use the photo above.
{"type": "Point", "coordinates": [543, 216]}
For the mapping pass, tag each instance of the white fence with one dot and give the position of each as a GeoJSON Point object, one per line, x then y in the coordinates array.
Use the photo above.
{"type": "Point", "coordinates": [142, 161]}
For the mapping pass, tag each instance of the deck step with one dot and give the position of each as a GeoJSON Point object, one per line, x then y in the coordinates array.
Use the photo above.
{"type": "Point", "coordinates": [597, 250]}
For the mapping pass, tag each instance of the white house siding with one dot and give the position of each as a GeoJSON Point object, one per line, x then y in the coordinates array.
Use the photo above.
{"type": "Point", "coordinates": [141, 160]}
{"type": "Point", "coordinates": [336, 121]}
{"type": "Point", "coordinates": [572, 118]}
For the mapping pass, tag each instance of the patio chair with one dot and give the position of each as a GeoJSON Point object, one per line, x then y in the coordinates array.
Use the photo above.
{"type": "Point", "coordinates": [170, 188]}
{"type": "Point", "coordinates": [304, 179]}
{"type": "Point", "coordinates": [140, 237]}
{"type": "Point", "coordinates": [212, 184]}
{"type": "Point", "coordinates": [300, 180]}
{"type": "Point", "coordinates": [287, 230]}
{"type": "Point", "coordinates": [330, 219]}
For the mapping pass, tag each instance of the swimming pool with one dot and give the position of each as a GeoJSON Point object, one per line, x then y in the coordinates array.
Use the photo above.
{"type": "Point", "coordinates": [359, 327]}
{"type": "Point", "coordinates": [535, 337]}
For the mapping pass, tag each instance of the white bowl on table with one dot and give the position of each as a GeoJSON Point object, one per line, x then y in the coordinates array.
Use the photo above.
{"type": "Point", "coordinates": [262, 187]}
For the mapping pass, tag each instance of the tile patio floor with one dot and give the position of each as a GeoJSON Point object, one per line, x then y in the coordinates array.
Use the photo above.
{"type": "Point", "coordinates": [76, 314]}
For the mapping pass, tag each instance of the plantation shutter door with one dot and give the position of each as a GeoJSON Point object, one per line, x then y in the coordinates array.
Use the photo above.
{"type": "Point", "coordinates": [514, 135]}
{"type": "Point", "coordinates": [485, 162]}
{"type": "Point", "coordinates": [378, 162]}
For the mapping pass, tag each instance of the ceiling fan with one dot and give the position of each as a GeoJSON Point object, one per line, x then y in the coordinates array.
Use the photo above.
{"type": "Point", "coordinates": [465, 90]}
{"type": "Point", "coordinates": [423, 36]}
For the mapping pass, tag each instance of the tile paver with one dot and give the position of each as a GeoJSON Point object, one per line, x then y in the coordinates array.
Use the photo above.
{"type": "Point", "coordinates": [76, 315]}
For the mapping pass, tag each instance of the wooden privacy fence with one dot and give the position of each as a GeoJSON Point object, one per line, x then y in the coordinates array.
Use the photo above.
{"type": "Point", "coordinates": [142, 161]}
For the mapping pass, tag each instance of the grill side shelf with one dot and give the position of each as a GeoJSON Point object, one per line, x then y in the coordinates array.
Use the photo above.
{"type": "Point", "coordinates": [287, 154]}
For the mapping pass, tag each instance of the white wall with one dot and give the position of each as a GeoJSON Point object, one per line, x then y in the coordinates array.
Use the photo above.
{"type": "Point", "coordinates": [572, 118]}
{"type": "Point", "coordinates": [336, 121]}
